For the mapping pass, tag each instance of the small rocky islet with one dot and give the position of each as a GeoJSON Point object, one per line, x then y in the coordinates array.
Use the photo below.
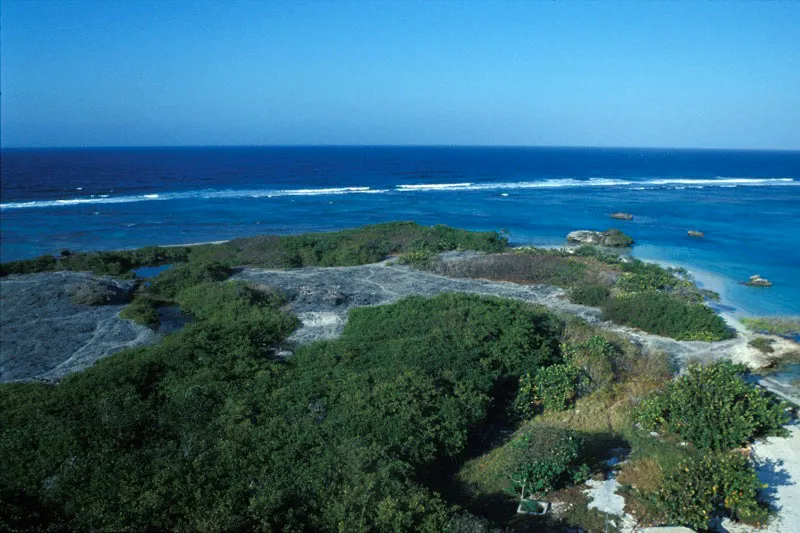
{"type": "Point", "coordinates": [612, 238]}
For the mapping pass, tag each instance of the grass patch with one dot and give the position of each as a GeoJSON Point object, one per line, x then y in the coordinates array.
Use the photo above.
{"type": "Point", "coordinates": [592, 294]}
{"type": "Point", "coordinates": [789, 326]}
{"type": "Point", "coordinates": [517, 267]}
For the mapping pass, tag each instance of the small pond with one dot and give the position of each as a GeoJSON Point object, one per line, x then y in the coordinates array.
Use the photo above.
{"type": "Point", "coordinates": [150, 272]}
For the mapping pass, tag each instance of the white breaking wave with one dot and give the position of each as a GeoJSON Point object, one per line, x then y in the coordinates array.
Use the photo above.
{"type": "Point", "coordinates": [435, 187]}
{"type": "Point", "coordinates": [670, 183]}
{"type": "Point", "coordinates": [676, 183]}
{"type": "Point", "coordinates": [189, 195]}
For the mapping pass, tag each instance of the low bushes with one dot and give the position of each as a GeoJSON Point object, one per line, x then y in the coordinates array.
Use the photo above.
{"type": "Point", "coordinates": [552, 387]}
{"type": "Point", "coordinates": [711, 485]}
{"type": "Point", "coordinates": [762, 344]}
{"type": "Point", "coordinates": [713, 407]}
{"type": "Point", "coordinates": [143, 311]}
{"type": "Point", "coordinates": [665, 315]}
{"type": "Point", "coordinates": [642, 277]}
{"type": "Point", "coordinates": [587, 367]}
{"type": "Point", "coordinates": [170, 282]}
{"type": "Point", "coordinates": [590, 294]}
{"type": "Point", "coordinates": [543, 459]}
{"type": "Point", "coordinates": [91, 293]}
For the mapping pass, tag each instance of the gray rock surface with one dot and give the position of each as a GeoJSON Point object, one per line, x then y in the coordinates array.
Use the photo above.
{"type": "Point", "coordinates": [586, 237]}
{"type": "Point", "coordinates": [44, 336]}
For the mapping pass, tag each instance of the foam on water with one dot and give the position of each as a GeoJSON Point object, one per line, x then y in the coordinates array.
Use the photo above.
{"type": "Point", "coordinates": [677, 184]}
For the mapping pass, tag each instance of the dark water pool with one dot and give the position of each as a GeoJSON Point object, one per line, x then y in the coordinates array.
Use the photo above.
{"type": "Point", "coordinates": [150, 272]}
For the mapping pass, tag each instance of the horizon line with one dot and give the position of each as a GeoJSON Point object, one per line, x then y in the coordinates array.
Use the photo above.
{"type": "Point", "coordinates": [554, 146]}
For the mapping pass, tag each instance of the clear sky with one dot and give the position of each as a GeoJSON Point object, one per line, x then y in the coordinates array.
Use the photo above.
{"type": "Point", "coordinates": [146, 72]}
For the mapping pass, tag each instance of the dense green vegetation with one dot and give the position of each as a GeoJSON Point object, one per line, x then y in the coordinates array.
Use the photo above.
{"type": "Point", "coordinates": [593, 294]}
{"type": "Point", "coordinates": [588, 366]}
{"type": "Point", "coordinates": [690, 474]}
{"type": "Point", "coordinates": [367, 244]}
{"type": "Point", "coordinates": [762, 344]}
{"type": "Point", "coordinates": [714, 407]}
{"type": "Point", "coordinates": [711, 485]}
{"type": "Point", "coordinates": [206, 431]}
{"type": "Point", "coordinates": [544, 459]}
{"type": "Point", "coordinates": [662, 314]}
{"type": "Point", "coordinates": [170, 282]}
{"type": "Point", "coordinates": [716, 410]}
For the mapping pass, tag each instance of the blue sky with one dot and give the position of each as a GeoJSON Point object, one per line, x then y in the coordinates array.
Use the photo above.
{"type": "Point", "coordinates": [677, 74]}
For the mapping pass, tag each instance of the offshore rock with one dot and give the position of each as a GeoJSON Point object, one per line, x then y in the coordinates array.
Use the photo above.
{"type": "Point", "coordinates": [612, 237]}
{"type": "Point", "coordinates": [622, 216]}
{"type": "Point", "coordinates": [695, 233]}
{"type": "Point", "coordinates": [757, 281]}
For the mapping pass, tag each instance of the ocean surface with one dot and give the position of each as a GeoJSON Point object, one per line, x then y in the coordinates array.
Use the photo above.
{"type": "Point", "coordinates": [746, 202]}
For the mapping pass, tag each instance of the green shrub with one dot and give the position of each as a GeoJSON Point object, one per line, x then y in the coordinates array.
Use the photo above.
{"type": "Point", "coordinates": [555, 386]}
{"type": "Point", "coordinates": [417, 258]}
{"type": "Point", "coordinates": [588, 250]}
{"type": "Point", "coordinates": [92, 293]}
{"type": "Point", "coordinates": [142, 311]}
{"type": "Point", "coordinates": [587, 366]}
{"type": "Point", "coordinates": [668, 316]}
{"type": "Point", "coordinates": [101, 263]}
{"type": "Point", "coordinates": [170, 282]}
{"type": "Point", "coordinates": [714, 407]}
{"type": "Point", "coordinates": [543, 459]}
{"type": "Point", "coordinates": [711, 486]}
{"type": "Point", "coordinates": [590, 294]}
{"type": "Point", "coordinates": [594, 359]}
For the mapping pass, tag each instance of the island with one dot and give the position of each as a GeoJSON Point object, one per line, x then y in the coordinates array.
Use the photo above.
{"type": "Point", "coordinates": [394, 376]}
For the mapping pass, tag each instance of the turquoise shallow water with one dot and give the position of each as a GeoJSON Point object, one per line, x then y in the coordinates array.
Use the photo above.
{"type": "Point", "coordinates": [746, 203]}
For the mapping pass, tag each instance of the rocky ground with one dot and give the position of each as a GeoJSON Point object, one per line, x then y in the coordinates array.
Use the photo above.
{"type": "Point", "coordinates": [45, 336]}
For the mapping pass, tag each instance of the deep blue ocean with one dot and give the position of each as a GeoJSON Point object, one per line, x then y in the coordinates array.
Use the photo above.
{"type": "Point", "coordinates": [746, 202]}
